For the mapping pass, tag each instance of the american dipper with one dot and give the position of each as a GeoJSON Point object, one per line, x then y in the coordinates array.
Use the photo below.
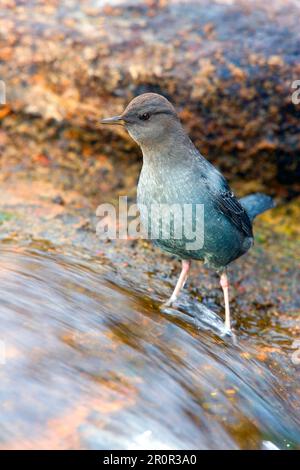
{"type": "Point", "coordinates": [174, 172]}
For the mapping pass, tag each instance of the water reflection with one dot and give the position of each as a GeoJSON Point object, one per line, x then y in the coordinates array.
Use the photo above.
{"type": "Point", "coordinates": [92, 363]}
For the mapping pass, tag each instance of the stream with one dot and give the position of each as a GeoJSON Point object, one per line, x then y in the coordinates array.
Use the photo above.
{"type": "Point", "coordinates": [90, 362]}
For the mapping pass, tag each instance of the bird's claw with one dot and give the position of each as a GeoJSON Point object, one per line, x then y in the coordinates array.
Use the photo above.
{"type": "Point", "coordinates": [168, 303]}
{"type": "Point", "coordinates": [228, 332]}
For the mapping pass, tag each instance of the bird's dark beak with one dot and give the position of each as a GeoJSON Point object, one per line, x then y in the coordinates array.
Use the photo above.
{"type": "Point", "coordinates": [113, 120]}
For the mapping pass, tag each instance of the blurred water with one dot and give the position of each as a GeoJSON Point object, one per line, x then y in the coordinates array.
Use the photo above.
{"type": "Point", "coordinates": [90, 362]}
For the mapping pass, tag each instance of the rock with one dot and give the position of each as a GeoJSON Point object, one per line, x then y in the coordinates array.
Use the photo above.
{"type": "Point", "coordinates": [228, 67]}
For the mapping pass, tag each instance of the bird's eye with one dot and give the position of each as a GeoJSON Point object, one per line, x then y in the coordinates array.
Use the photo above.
{"type": "Point", "coordinates": [144, 117]}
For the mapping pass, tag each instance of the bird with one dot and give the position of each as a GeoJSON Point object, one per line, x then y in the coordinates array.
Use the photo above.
{"type": "Point", "coordinates": [175, 173]}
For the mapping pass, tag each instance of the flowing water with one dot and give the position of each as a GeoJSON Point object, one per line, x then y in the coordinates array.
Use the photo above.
{"type": "Point", "coordinates": [88, 361]}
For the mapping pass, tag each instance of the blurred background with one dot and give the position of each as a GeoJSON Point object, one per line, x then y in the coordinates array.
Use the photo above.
{"type": "Point", "coordinates": [88, 360]}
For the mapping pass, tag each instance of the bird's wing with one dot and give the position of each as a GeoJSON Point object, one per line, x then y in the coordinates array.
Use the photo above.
{"type": "Point", "coordinates": [228, 204]}
{"type": "Point", "coordinates": [223, 198]}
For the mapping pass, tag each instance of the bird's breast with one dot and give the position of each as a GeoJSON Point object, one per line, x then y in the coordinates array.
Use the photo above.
{"type": "Point", "coordinates": [161, 194]}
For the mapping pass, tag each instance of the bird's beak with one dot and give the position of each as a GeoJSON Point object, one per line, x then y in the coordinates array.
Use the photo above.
{"type": "Point", "coordinates": [113, 120]}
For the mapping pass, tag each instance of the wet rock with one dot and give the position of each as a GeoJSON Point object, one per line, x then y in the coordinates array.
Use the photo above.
{"type": "Point", "coordinates": [139, 377]}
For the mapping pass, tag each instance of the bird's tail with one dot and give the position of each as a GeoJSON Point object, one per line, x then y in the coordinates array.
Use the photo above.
{"type": "Point", "coordinates": [256, 203]}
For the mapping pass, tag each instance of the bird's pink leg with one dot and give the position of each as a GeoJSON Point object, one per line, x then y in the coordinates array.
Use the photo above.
{"type": "Point", "coordinates": [225, 286]}
{"type": "Point", "coordinates": [186, 264]}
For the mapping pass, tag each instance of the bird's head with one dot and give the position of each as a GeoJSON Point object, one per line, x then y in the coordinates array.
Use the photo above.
{"type": "Point", "coordinates": [148, 118]}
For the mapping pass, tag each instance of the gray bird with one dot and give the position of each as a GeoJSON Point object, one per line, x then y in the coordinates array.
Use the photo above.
{"type": "Point", "coordinates": [175, 174]}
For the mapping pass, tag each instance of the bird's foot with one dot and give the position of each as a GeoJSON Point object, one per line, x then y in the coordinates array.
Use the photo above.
{"type": "Point", "coordinates": [168, 303]}
{"type": "Point", "coordinates": [227, 332]}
